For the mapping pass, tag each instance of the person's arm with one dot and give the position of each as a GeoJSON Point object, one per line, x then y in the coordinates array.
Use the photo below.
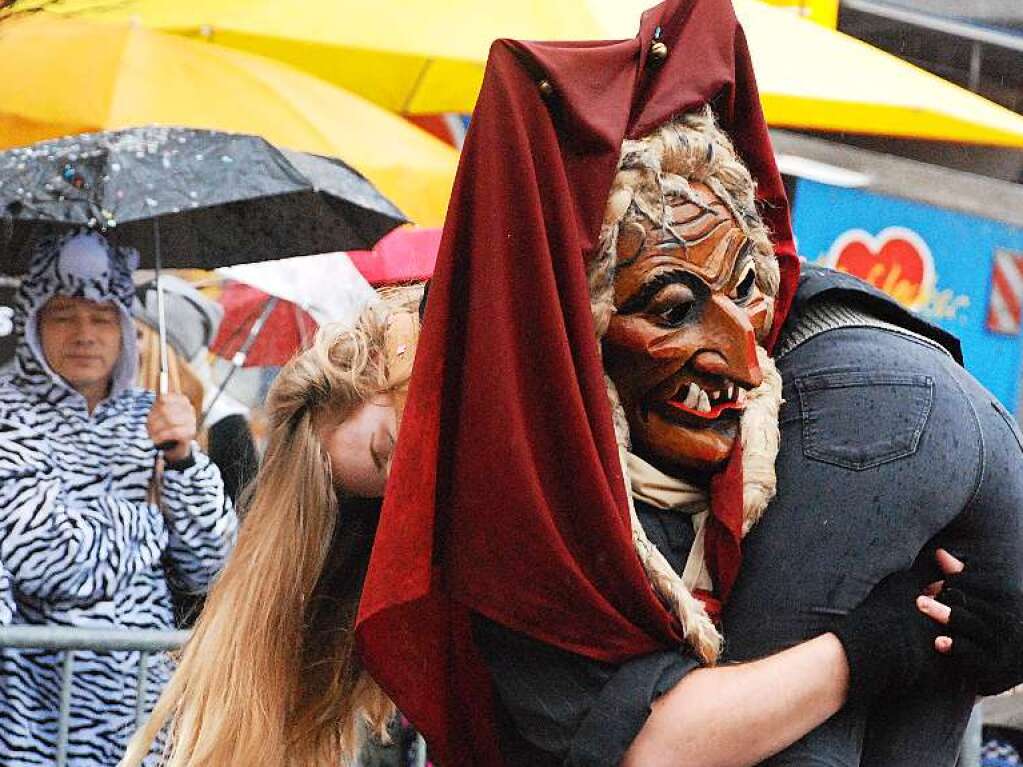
{"type": "Point", "coordinates": [574, 710]}
{"type": "Point", "coordinates": [738, 715]}
{"type": "Point", "coordinates": [77, 545]}
{"type": "Point", "coordinates": [201, 521]}
{"type": "Point", "coordinates": [732, 716]}
{"type": "Point", "coordinates": [664, 709]}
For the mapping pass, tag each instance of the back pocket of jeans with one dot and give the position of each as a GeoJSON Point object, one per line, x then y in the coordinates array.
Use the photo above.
{"type": "Point", "coordinates": [859, 420]}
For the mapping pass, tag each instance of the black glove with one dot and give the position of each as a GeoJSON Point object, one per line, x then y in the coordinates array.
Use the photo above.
{"type": "Point", "coordinates": [889, 643]}
{"type": "Point", "coordinates": [986, 626]}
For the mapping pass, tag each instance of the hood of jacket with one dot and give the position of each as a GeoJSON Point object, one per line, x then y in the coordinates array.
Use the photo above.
{"type": "Point", "coordinates": [79, 264]}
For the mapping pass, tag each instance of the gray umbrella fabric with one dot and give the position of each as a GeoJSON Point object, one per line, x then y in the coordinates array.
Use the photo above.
{"type": "Point", "coordinates": [218, 199]}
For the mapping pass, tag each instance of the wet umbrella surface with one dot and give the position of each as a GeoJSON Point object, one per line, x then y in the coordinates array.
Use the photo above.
{"type": "Point", "coordinates": [202, 198]}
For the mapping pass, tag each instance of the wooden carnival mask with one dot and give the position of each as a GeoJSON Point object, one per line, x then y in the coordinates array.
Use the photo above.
{"type": "Point", "coordinates": [681, 348]}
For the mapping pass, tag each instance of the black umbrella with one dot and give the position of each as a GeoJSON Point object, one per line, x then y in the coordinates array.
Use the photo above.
{"type": "Point", "coordinates": [186, 198]}
{"type": "Point", "coordinates": [219, 198]}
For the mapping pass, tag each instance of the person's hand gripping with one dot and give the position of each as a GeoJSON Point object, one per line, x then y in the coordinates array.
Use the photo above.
{"type": "Point", "coordinates": [982, 623]}
{"type": "Point", "coordinates": [172, 426]}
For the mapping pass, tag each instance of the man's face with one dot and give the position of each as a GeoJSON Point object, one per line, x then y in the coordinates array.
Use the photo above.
{"type": "Point", "coordinates": [681, 349]}
{"type": "Point", "coordinates": [81, 340]}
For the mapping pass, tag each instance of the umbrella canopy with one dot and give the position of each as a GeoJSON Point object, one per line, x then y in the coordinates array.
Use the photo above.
{"type": "Point", "coordinates": [282, 327]}
{"type": "Point", "coordinates": [428, 57]}
{"type": "Point", "coordinates": [197, 198]}
{"type": "Point", "coordinates": [273, 308]}
{"type": "Point", "coordinates": [75, 75]}
{"type": "Point", "coordinates": [325, 285]}
{"type": "Point", "coordinates": [407, 254]}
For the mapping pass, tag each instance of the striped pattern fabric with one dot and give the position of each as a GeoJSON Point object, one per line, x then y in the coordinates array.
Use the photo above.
{"type": "Point", "coordinates": [6, 597]}
{"type": "Point", "coordinates": [1005, 306]}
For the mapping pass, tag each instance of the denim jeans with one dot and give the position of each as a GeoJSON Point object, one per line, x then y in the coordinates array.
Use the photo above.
{"type": "Point", "coordinates": [889, 448]}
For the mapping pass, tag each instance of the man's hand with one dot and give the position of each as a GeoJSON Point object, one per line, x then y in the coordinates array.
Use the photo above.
{"type": "Point", "coordinates": [172, 426]}
{"type": "Point", "coordinates": [926, 603]}
{"type": "Point", "coordinates": [984, 625]}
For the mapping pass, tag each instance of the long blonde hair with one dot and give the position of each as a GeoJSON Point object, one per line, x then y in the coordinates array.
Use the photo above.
{"type": "Point", "coordinates": [270, 676]}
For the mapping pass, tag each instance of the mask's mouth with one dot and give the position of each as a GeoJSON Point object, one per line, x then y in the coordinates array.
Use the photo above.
{"type": "Point", "coordinates": [708, 402]}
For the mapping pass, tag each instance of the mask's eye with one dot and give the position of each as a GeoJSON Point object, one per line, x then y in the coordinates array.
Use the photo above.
{"type": "Point", "coordinates": [670, 306]}
{"type": "Point", "coordinates": [744, 288]}
{"type": "Point", "coordinates": [675, 315]}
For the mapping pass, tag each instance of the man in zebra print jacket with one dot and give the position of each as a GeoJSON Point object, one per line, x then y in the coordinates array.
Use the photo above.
{"type": "Point", "coordinates": [82, 542]}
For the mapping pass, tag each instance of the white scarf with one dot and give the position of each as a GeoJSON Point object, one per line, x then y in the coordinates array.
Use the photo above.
{"type": "Point", "coordinates": [758, 430]}
{"type": "Point", "coordinates": [662, 491]}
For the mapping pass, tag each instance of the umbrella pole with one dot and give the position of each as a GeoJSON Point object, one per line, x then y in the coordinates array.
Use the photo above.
{"type": "Point", "coordinates": [157, 481]}
{"type": "Point", "coordinates": [160, 312]}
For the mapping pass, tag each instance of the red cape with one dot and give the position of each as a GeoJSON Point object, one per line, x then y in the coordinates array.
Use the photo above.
{"type": "Point", "coordinates": [506, 496]}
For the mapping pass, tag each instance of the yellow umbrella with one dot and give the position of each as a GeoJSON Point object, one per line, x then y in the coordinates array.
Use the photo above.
{"type": "Point", "coordinates": [413, 56]}
{"type": "Point", "coordinates": [419, 56]}
{"type": "Point", "coordinates": [75, 75]}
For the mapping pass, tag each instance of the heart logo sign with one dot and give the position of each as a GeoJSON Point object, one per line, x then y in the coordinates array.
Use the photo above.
{"type": "Point", "coordinates": [896, 261]}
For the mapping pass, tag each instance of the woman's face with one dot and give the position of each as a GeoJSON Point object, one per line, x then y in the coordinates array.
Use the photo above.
{"type": "Point", "coordinates": [361, 446]}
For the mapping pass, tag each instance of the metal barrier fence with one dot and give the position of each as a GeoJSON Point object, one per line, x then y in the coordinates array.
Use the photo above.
{"type": "Point", "coordinates": [71, 640]}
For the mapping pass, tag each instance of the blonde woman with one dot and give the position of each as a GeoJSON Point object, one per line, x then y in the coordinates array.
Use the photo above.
{"type": "Point", "coordinates": [270, 675]}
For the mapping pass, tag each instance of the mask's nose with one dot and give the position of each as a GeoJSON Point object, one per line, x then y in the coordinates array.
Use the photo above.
{"type": "Point", "coordinates": [730, 349]}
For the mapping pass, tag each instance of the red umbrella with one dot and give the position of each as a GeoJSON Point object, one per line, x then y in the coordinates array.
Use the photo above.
{"type": "Point", "coordinates": [246, 311]}
{"type": "Point", "coordinates": [405, 255]}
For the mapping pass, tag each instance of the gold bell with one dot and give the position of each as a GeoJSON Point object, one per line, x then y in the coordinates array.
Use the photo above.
{"type": "Point", "coordinates": [546, 89]}
{"type": "Point", "coordinates": [658, 53]}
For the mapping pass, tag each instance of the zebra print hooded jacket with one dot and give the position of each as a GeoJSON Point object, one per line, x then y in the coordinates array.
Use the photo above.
{"type": "Point", "coordinates": [82, 545]}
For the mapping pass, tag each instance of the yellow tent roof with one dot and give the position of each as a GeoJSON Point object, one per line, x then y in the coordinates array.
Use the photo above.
{"type": "Point", "coordinates": [815, 78]}
{"type": "Point", "coordinates": [823, 12]}
{"type": "Point", "coordinates": [75, 75]}
{"type": "Point", "coordinates": [428, 56]}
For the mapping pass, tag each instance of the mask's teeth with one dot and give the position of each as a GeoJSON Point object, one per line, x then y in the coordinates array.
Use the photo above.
{"type": "Point", "coordinates": [740, 396]}
{"type": "Point", "coordinates": [693, 396]}
{"type": "Point", "coordinates": [704, 405]}
{"type": "Point", "coordinates": [731, 392]}
{"type": "Point", "coordinates": [715, 396]}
